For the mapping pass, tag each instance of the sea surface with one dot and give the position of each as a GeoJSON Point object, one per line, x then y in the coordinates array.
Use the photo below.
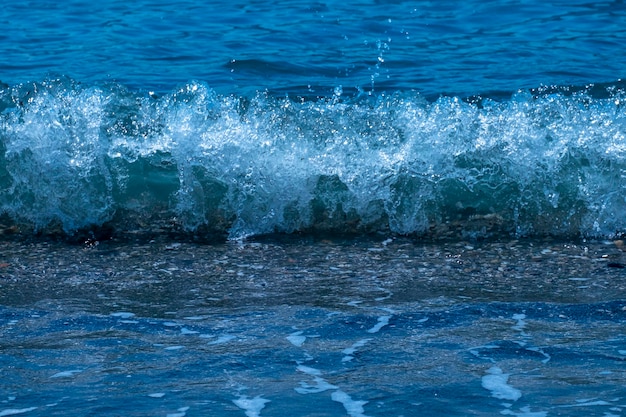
{"type": "Point", "coordinates": [335, 208]}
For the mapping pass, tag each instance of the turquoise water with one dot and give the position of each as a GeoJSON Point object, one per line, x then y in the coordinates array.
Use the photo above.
{"type": "Point", "coordinates": [316, 209]}
{"type": "Point", "coordinates": [448, 47]}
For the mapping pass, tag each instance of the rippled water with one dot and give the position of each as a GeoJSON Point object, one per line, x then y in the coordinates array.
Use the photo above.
{"type": "Point", "coordinates": [304, 327]}
{"type": "Point", "coordinates": [290, 46]}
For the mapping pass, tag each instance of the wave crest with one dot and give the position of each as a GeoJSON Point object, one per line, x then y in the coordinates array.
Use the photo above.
{"type": "Point", "coordinates": [539, 163]}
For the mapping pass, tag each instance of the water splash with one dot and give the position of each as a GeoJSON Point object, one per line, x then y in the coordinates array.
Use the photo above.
{"type": "Point", "coordinates": [76, 157]}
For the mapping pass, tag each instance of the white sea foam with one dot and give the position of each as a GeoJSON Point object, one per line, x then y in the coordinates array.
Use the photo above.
{"type": "Point", "coordinates": [222, 339]}
{"type": "Point", "coordinates": [309, 371]}
{"type": "Point", "coordinates": [587, 402]}
{"type": "Point", "coordinates": [382, 322]}
{"type": "Point", "coordinates": [520, 324]}
{"type": "Point", "coordinates": [66, 374]}
{"type": "Point", "coordinates": [320, 385]}
{"type": "Point", "coordinates": [353, 408]}
{"type": "Point", "coordinates": [123, 314]}
{"type": "Point", "coordinates": [539, 350]}
{"type": "Point", "coordinates": [15, 411]}
{"type": "Point", "coordinates": [296, 339]}
{"type": "Point", "coordinates": [524, 412]}
{"type": "Point", "coordinates": [497, 382]}
{"type": "Point", "coordinates": [181, 412]}
{"type": "Point", "coordinates": [383, 298]}
{"type": "Point", "coordinates": [349, 352]}
{"type": "Point", "coordinates": [252, 406]}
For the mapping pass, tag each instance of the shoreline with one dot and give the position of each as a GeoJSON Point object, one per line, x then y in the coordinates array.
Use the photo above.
{"type": "Point", "coordinates": [302, 271]}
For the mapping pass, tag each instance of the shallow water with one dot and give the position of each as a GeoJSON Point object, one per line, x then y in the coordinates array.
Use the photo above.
{"type": "Point", "coordinates": [302, 327]}
{"type": "Point", "coordinates": [489, 132]}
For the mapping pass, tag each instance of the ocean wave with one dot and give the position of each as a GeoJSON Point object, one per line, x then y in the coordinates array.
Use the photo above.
{"type": "Point", "coordinates": [77, 157]}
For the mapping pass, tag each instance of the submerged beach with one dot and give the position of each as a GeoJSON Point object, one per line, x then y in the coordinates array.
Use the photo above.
{"type": "Point", "coordinates": [303, 326]}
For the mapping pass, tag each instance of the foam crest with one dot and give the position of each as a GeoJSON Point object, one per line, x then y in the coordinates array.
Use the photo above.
{"type": "Point", "coordinates": [77, 157]}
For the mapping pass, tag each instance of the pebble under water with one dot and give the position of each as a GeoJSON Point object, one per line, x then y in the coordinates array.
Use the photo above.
{"type": "Point", "coordinates": [276, 327]}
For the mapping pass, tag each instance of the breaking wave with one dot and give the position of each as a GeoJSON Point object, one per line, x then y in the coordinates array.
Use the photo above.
{"type": "Point", "coordinates": [535, 163]}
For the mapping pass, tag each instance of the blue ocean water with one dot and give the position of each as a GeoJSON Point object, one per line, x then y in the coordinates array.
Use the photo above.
{"type": "Point", "coordinates": [243, 119]}
{"type": "Point", "coordinates": [331, 208]}
{"type": "Point", "coordinates": [447, 47]}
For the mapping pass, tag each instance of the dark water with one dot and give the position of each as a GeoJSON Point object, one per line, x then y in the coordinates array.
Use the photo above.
{"type": "Point", "coordinates": [316, 209]}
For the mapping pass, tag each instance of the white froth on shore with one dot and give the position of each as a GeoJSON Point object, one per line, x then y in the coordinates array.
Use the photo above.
{"type": "Point", "coordinates": [252, 406]}
{"type": "Point", "coordinates": [296, 339]}
{"type": "Point", "coordinates": [15, 411]}
{"type": "Point", "coordinates": [66, 374]}
{"type": "Point", "coordinates": [382, 322]}
{"type": "Point", "coordinates": [353, 408]}
{"type": "Point", "coordinates": [497, 382]}
{"type": "Point", "coordinates": [349, 352]}
{"type": "Point", "coordinates": [320, 385]}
